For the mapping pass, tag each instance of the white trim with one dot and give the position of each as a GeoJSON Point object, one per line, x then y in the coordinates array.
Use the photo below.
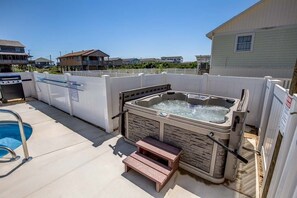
{"type": "Point", "coordinates": [244, 34]}
{"type": "Point", "coordinates": [211, 57]}
{"type": "Point", "coordinates": [211, 33]}
{"type": "Point", "coordinates": [263, 160]}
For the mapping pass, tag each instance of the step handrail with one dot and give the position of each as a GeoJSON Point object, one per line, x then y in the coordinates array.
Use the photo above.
{"type": "Point", "coordinates": [21, 127]}
{"type": "Point", "coordinates": [12, 153]}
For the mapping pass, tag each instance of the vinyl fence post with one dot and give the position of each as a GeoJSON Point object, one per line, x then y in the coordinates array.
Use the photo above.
{"type": "Point", "coordinates": [141, 79]}
{"type": "Point", "coordinates": [35, 73]}
{"type": "Point", "coordinates": [164, 76]}
{"type": "Point", "coordinates": [68, 95]}
{"type": "Point", "coordinates": [204, 85]}
{"type": "Point", "coordinates": [108, 104]}
{"type": "Point", "coordinates": [48, 89]}
{"type": "Point", "coordinates": [268, 98]}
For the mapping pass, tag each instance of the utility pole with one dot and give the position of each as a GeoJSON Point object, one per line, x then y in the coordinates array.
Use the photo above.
{"type": "Point", "coordinates": [29, 54]}
{"type": "Point", "coordinates": [59, 62]}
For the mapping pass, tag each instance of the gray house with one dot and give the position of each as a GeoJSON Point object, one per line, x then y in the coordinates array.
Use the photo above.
{"type": "Point", "coordinates": [114, 62]}
{"type": "Point", "coordinates": [43, 62]}
{"type": "Point", "coordinates": [130, 61]}
{"type": "Point", "coordinates": [260, 41]}
{"type": "Point", "coordinates": [172, 59]}
{"type": "Point", "coordinates": [12, 53]}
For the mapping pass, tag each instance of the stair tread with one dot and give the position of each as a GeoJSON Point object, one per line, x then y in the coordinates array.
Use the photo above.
{"type": "Point", "coordinates": [145, 170]}
{"type": "Point", "coordinates": [151, 163]}
{"type": "Point", "coordinates": [158, 148]}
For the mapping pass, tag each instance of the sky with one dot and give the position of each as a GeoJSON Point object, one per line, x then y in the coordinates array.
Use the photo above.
{"type": "Point", "coordinates": [120, 28]}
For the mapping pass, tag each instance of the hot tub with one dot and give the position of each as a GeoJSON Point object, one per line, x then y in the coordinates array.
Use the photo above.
{"type": "Point", "coordinates": [184, 120]}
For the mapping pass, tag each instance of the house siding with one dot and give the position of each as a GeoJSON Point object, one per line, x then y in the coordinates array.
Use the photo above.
{"type": "Point", "coordinates": [272, 49]}
{"type": "Point", "coordinates": [267, 13]}
{"type": "Point", "coordinates": [71, 61]}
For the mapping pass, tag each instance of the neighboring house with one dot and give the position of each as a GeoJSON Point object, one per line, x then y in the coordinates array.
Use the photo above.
{"type": "Point", "coordinates": [203, 63]}
{"type": "Point", "coordinates": [149, 60]}
{"type": "Point", "coordinates": [83, 60]}
{"type": "Point", "coordinates": [172, 59]}
{"type": "Point", "coordinates": [260, 41]}
{"type": "Point", "coordinates": [43, 62]}
{"type": "Point", "coordinates": [114, 62]}
{"type": "Point", "coordinates": [12, 53]}
{"type": "Point", "coordinates": [130, 61]}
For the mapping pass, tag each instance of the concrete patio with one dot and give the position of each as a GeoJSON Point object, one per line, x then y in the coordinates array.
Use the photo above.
{"type": "Point", "coordinates": [72, 158]}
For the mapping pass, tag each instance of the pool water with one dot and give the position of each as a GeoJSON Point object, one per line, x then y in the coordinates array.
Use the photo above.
{"type": "Point", "coordinates": [10, 135]}
{"type": "Point", "coordinates": [198, 112]}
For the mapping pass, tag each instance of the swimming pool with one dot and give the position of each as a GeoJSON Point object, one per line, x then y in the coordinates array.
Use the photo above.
{"type": "Point", "coordinates": [10, 135]}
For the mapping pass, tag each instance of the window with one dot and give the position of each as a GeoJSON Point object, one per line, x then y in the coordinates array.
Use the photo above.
{"type": "Point", "coordinates": [244, 43]}
{"type": "Point", "coordinates": [17, 49]}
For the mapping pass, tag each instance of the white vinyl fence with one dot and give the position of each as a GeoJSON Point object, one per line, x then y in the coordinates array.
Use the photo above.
{"type": "Point", "coordinates": [215, 85]}
{"type": "Point", "coordinates": [288, 177]}
{"type": "Point", "coordinates": [127, 83]}
{"type": "Point", "coordinates": [131, 72]}
{"type": "Point", "coordinates": [286, 164]}
{"type": "Point", "coordinates": [83, 97]}
{"type": "Point", "coordinates": [272, 128]}
{"type": "Point", "coordinates": [27, 82]}
{"type": "Point", "coordinates": [279, 116]}
{"type": "Point", "coordinates": [285, 82]}
{"type": "Point", "coordinates": [280, 72]}
{"type": "Point", "coordinates": [225, 86]}
{"type": "Point", "coordinates": [96, 100]}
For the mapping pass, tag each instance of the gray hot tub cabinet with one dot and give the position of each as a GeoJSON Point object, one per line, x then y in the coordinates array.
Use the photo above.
{"type": "Point", "coordinates": [200, 155]}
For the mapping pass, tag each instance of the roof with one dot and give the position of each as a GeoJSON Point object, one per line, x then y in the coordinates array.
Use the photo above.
{"type": "Point", "coordinates": [85, 53]}
{"type": "Point", "coordinates": [11, 43]}
{"type": "Point", "coordinates": [264, 14]}
{"type": "Point", "coordinates": [41, 59]}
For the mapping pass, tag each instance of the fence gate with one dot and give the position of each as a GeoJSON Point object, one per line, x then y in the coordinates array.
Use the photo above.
{"type": "Point", "coordinates": [272, 131]}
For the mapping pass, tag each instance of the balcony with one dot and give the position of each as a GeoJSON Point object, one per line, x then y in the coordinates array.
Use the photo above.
{"type": "Point", "coordinates": [13, 62]}
{"type": "Point", "coordinates": [93, 62]}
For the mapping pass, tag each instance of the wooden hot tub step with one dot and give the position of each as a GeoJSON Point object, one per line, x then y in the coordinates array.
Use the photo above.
{"type": "Point", "coordinates": [151, 163]}
{"type": "Point", "coordinates": [149, 168]}
{"type": "Point", "coordinates": [144, 161]}
{"type": "Point", "coordinates": [160, 149]}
